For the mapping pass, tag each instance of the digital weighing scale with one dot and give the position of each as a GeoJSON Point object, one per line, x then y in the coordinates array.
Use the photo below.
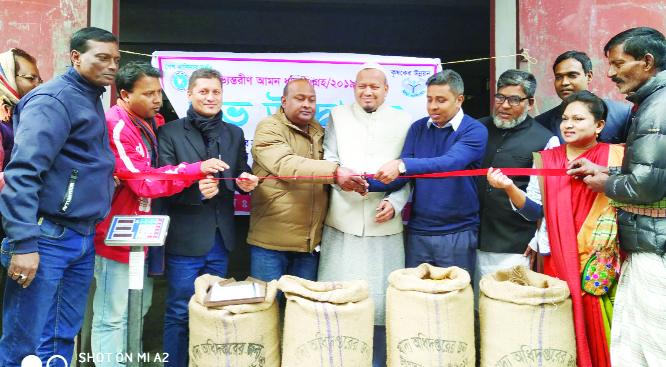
{"type": "Point", "coordinates": [136, 231]}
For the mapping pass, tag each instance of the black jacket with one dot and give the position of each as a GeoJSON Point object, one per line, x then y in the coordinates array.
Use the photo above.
{"type": "Point", "coordinates": [193, 220]}
{"type": "Point", "coordinates": [617, 126]}
{"type": "Point", "coordinates": [62, 164]}
{"type": "Point", "coordinates": [502, 230]}
{"type": "Point", "coordinates": [642, 177]}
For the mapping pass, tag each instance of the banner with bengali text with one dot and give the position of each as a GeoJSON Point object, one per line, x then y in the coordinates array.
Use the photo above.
{"type": "Point", "coordinates": [253, 84]}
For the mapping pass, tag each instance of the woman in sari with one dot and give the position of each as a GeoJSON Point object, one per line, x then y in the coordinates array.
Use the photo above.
{"type": "Point", "coordinates": [571, 213]}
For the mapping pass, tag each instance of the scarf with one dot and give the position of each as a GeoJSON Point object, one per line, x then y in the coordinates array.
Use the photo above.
{"type": "Point", "coordinates": [8, 95]}
{"type": "Point", "coordinates": [210, 127]}
{"type": "Point", "coordinates": [147, 127]}
{"type": "Point", "coordinates": [212, 130]}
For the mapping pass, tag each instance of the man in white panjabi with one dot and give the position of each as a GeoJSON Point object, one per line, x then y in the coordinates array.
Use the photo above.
{"type": "Point", "coordinates": [362, 235]}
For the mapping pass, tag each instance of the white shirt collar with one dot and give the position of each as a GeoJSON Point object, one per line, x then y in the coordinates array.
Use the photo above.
{"type": "Point", "coordinates": [453, 123]}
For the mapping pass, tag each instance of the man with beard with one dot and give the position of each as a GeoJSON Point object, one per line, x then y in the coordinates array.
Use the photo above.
{"type": "Point", "coordinates": [512, 138]}
{"type": "Point", "coordinates": [573, 73]}
{"type": "Point", "coordinates": [362, 235]}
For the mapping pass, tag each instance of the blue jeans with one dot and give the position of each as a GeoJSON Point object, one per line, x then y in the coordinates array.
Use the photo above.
{"type": "Point", "coordinates": [182, 271]}
{"type": "Point", "coordinates": [109, 323]}
{"type": "Point", "coordinates": [379, 347]}
{"type": "Point", "coordinates": [44, 318]}
{"type": "Point", "coordinates": [267, 264]}
{"type": "Point", "coordinates": [454, 249]}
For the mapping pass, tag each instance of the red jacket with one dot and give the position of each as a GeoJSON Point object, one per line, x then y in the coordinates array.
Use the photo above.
{"type": "Point", "coordinates": [133, 197]}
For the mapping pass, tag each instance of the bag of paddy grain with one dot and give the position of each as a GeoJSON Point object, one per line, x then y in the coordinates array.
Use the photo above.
{"type": "Point", "coordinates": [430, 317]}
{"type": "Point", "coordinates": [526, 319]}
{"type": "Point", "coordinates": [327, 323]}
{"type": "Point", "coordinates": [245, 335]}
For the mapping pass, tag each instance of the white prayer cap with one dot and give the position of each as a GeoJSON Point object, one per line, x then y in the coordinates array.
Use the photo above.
{"type": "Point", "coordinates": [372, 65]}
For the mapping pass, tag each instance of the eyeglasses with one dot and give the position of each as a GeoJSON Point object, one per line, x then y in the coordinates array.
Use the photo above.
{"type": "Point", "coordinates": [513, 100]}
{"type": "Point", "coordinates": [31, 78]}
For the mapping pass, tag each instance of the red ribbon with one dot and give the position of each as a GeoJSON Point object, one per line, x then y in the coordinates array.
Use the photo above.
{"type": "Point", "coordinates": [470, 172]}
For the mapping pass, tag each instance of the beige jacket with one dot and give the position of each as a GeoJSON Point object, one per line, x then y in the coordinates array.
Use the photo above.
{"type": "Point", "coordinates": [288, 215]}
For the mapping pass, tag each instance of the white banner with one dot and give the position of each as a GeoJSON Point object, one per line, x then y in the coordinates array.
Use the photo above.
{"type": "Point", "coordinates": [253, 83]}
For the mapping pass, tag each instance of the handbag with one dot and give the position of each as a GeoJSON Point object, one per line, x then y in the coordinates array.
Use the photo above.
{"type": "Point", "coordinates": [603, 267]}
{"type": "Point", "coordinates": [597, 278]}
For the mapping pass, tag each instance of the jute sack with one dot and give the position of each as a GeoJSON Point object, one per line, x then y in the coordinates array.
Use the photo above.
{"type": "Point", "coordinates": [526, 319]}
{"type": "Point", "coordinates": [430, 317]}
{"type": "Point", "coordinates": [327, 324]}
{"type": "Point", "coordinates": [240, 335]}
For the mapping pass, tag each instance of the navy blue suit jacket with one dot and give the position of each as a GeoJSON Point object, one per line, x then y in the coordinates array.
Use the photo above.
{"type": "Point", "coordinates": [615, 131]}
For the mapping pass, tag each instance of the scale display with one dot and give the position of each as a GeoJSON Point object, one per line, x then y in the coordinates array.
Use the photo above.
{"type": "Point", "coordinates": [137, 230]}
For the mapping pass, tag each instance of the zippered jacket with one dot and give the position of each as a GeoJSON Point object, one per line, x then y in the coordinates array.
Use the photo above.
{"type": "Point", "coordinates": [642, 178]}
{"type": "Point", "coordinates": [61, 166]}
{"type": "Point", "coordinates": [134, 197]}
{"type": "Point", "coordinates": [288, 214]}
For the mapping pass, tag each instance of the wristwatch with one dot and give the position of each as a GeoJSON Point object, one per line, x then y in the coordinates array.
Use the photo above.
{"type": "Point", "coordinates": [402, 168]}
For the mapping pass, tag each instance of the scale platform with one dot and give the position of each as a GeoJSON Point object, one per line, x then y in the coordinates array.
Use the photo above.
{"type": "Point", "coordinates": [137, 230]}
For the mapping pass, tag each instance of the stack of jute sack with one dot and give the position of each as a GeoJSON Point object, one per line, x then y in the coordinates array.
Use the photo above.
{"type": "Point", "coordinates": [526, 319]}
{"type": "Point", "coordinates": [327, 324]}
{"type": "Point", "coordinates": [430, 317]}
{"type": "Point", "coordinates": [244, 335]}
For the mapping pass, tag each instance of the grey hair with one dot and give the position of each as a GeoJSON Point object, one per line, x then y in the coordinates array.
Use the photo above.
{"type": "Point", "coordinates": [450, 78]}
{"type": "Point", "coordinates": [518, 77]}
